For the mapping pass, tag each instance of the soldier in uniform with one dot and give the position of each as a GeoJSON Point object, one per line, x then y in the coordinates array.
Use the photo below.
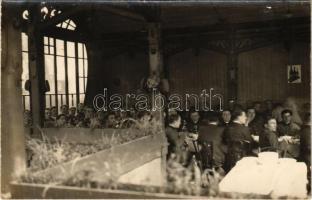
{"type": "Point", "coordinates": [237, 138]}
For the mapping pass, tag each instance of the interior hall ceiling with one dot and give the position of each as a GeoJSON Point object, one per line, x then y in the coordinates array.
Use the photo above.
{"type": "Point", "coordinates": [106, 20]}
{"type": "Point", "coordinates": [187, 15]}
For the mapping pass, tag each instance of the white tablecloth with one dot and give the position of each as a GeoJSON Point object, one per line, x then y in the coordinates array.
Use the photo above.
{"type": "Point", "coordinates": [275, 179]}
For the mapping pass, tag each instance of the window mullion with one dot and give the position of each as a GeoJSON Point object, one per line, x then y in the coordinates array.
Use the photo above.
{"type": "Point", "coordinates": [77, 74]}
{"type": "Point", "coordinates": [55, 75]}
{"type": "Point", "coordinates": [83, 70]}
{"type": "Point", "coordinates": [66, 73]}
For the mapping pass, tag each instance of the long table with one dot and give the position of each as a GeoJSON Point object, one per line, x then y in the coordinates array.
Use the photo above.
{"type": "Point", "coordinates": [284, 178]}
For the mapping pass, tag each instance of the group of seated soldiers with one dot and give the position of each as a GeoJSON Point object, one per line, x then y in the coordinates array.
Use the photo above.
{"type": "Point", "coordinates": [220, 139]}
{"type": "Point", "coordinates": [86, 117]}
{"type": "Point", "coordinates": [216, 139]}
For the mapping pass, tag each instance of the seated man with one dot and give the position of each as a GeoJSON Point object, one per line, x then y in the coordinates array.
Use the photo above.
{"type": "Point", "coordinates": [287, 127]}
{"type": "Point", "coordinates": [237, 138]}
{"type": "Point", "coordinates": [225, 118]}
{"type": "Point", "coordinates": [255, 121]}
{"type": "Point", "coordinates": [268, 140]}
{"type": "Point", "coordinates": [210, 139]}
{"type": "Point", "coordinates": [86, 121]}
{"type": "Point", "coordinates": [144, 119]}
{"type": "Point", "coordinates": [61, 121]}
{"type": "Point", "coordinates": [193, 123]}
{"type": "Point", "coordinates": [175, 139]}
{"type": "Point", "coordinates": [54, 113]}
{"type": "Point", "coordinates": [288, 133]}
{"type": "Point", "coordinates": [80, 112]}
{"type": "Point", "coordinates": [111, 121]}
{"type": "Point", "coordinates": [64, 110]}
{"type": "Point", "coordinates": [98, 121]}
{"type": "Point", "coordinates": [72, 120]}
{"type": "Point", "coordinates": [48, 120]}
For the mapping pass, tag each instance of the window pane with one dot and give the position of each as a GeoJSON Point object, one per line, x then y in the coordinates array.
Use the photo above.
{"type": "Point", "coordinates": [25, 73]}
{"type": "Point", "coordinates": [82, 97]}
{"type": "Point", "coordinates": [80, 67]}
{"type": "Point", "coordinates": [51, 41]}
{"type": "Point", "coordinates": [80, 50]}
{"type": "Point", "coordinates": [24, 42]}
{"type": "Point", "coordinates": [49, 72]}
{"type": "Point", "coordinates": [46, 40]}
{"type": "Point", "coordinates": [60, 47]}
{"type": "Point", "coordinates": [81, 86]}
{"type": "Point", "coordinates": [53, 100]}
{"type": "Point", "coordinates": [86, 67]}
{"type": "Point", "coordinates": [84, 51]}
{"type": "Point", "coordinates": [71, 75]}
{"type": "Point", "coordinates": [61, 101]}
{"type": "Point", "coordinates": [48, 102]}
{"type": "Point", "coordinates": [51, 51]}
{"type": "Point", "coordinates": [70, 49]}
{"type": "Point", "coordinates": [72, 100]}
{"type": "Point", "coordinates": [64, 25]}
{"type": "Point", "coordinates": [71, 23]}
{"type": "Point", "coordinates": [46, 49]}
{"type": "Point", "coordinates": [60, 75]}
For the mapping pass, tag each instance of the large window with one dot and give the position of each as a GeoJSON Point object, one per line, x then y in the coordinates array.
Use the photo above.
{"type": "Point", "coordinates": [66, 67]}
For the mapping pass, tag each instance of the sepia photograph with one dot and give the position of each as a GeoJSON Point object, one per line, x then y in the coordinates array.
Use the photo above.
{"type": "Point", "coordinates": [151, 99]}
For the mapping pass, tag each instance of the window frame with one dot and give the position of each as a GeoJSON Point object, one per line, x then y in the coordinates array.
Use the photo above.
{"type": "Point", "coordinates": [50, 49]}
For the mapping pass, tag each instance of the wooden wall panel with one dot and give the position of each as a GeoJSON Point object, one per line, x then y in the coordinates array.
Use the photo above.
{"type": "Point", "coordinates": [262, 73]}
{"type": "Point", "coordinates": [189, 73]}
{"type": "Point", "coordinates": [129, 70]}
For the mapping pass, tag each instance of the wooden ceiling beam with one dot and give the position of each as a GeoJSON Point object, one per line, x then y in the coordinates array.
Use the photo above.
{"type": "Point", "coordinates": [239, 26]}
{"type": "Point", "coordinates": [215, 30]}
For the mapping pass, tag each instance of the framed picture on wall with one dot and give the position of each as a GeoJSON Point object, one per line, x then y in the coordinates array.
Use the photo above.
{"type": "Point", "coordinates": [294, 73]}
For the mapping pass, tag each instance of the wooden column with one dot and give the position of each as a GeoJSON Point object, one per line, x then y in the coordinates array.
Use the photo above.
{"type": "Point", "coordinates": [156, 69]}
{"type": "Point", "coordinates": [36, 68]}
{"type": "Point", "coordinates": [155, 58]}
{"type": "Point", "coordinates": [155, 52]}
{"type": "Point", "coordinates": [13, 161]}
{"type": "Point", "coordinates": [232, 61]}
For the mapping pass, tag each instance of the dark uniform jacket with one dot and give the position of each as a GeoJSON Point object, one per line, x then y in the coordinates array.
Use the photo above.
{"type": "Point", "coordinates": [193, 127]}
{"type": "Point", "coordinates": [268, 141]}
{"type": "Point", "coordinates": [175, 140]}
{"type": "Point", "coordinates": [212, 135]}
{"type": "Point", "coordinates": [256, 126]}
{"type": "Point", "coordinates": [290, 129]}
{"type": "Point", "coordinates": [305, 144]}
{"type": "Point", "coordinates": [236, 133]}
{"type": "Point", "coordinates": [238, 139]}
